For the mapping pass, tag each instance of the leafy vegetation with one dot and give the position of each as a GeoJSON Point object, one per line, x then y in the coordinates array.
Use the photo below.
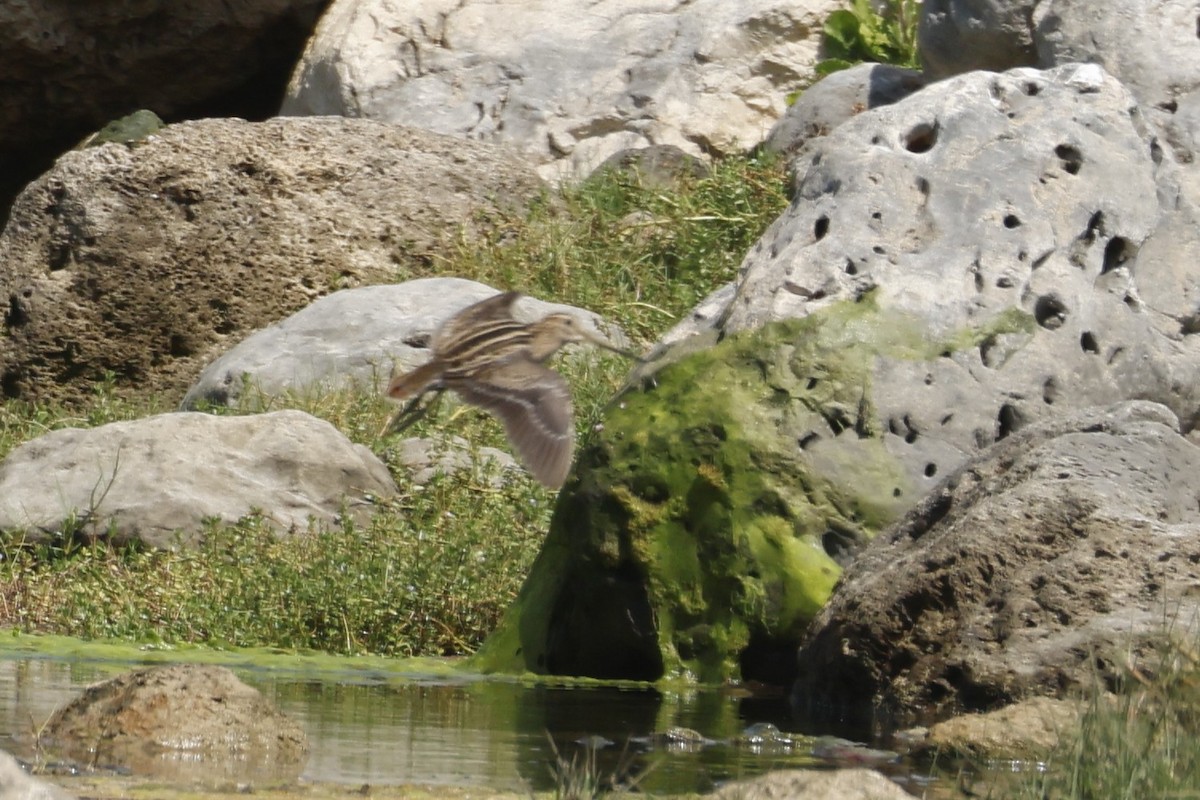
{"type": "Point", "coordinates": [436, 566]}
{"type": "Point", "coordinates": [860, 33]}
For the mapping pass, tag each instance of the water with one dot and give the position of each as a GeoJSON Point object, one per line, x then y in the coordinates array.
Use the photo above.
{"type": "Point", "coordinates": [382, 728]}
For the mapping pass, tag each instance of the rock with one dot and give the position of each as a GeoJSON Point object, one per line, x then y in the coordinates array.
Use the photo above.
{"type": "Point", "coordinates": [838, 97]}
{"type": "Point", "coordinates": [1029, 572]}
{"type": "Point", "coordinates": [147, 261]}
{"type": "Point", "coordinates": [70, 69]}
{"type": "Point", "coordinates": [182, 721]}
{"type": "Point", "coordinates": [838, 784]}
{"type": "Point", "coordinates": [17, 784]}
{"type": "Point", "coordinates": [355, 337]}
{"type": "Point", "coordinates": [427, 458]}
{"type": "Point", "coordinates": [997, 223]}
{"type": "Point", "coordinates": [1150, 46]}
{"type": "Point", "coordinates": [156, 480]}
{"type": "Point", "coordinates": [953, 268]}
{"type": "Point", "coordinates": [957, 36]}
{"type": "Point", "coordinates": [568, 83]}
{"type": "Point", "coordinates": [660, 166]}
{"type": "Point", "coordinates": [1028, 730]}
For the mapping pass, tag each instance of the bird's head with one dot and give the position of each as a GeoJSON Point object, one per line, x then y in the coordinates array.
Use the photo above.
{"type": "Point", "coordinates": [566, 328]}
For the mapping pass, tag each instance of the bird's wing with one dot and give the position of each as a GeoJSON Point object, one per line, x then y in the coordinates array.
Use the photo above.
{"type": "Point", "coordinates": [497, 307]}
{"type": "Point", "coordinates": [534, 405]}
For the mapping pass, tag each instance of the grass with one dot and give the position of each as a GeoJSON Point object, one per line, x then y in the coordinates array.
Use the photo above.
{"type": "Point", "coordinates": [434, 569]}
{"type": "Point", "coordinates": [1143, 741]}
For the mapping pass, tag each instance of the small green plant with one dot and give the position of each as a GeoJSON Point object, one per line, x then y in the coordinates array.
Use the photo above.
{"type": "Point", "coordinates": [860, 33]}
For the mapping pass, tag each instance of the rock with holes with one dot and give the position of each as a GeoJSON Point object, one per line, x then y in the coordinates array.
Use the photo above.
{"type": "Point", "coordinates": [568, 83]}
{"type": "Point", "coordinates": [146, 260]}
{"type": "Point", "coordinates": [158, 480]}
{"type": "Point", "coordinates": [838, 97]}
{"type": "Point", "coordinates": [997, 222]}
{"type": "Point", "coordinates": [1151, 46]}
{"type": "Point", "coordinates": [953, 267]}
{"type": "Point", "coordinates": [181, 722]}
{"type": "Point", "coordinates": [1036, 569]}
{"type": "Point", "coordinates": [355, 337]}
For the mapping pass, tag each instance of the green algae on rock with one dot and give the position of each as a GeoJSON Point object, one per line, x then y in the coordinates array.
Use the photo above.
{"type": "Point", "coordinates": [704, 525]}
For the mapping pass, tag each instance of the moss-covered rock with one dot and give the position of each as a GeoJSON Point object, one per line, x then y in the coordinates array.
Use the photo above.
{"type": "Point", "coordinates": [700, 535]}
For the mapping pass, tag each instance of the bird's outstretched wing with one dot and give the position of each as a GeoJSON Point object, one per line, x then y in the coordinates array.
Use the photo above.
{"type": "Point", "coordinates": [495, 308]}
{"type": "Point", "coordinates": [534, 405]}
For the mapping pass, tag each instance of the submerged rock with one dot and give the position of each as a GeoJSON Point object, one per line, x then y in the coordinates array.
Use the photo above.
{"type": "Point", "coordinates": [183, 721]}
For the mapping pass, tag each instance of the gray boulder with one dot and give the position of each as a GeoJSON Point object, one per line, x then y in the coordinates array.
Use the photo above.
{"type": "Point", "coordinates": [355, 337]}
{"type": "Point", "coordinates": [569, 83]}
{"type": "Point", "coordinates": [1036, 569]}
{"type": "Point", "coordinates": [994, 225]}
{"type": "Point", "coordinates": [158, 479]}
{"type": "Point", "coordinates": [838, 97]}
{"type": "Point", "coordinates": [1150, 46]}
{"type": "Point", "coordinates": [147, 261]}
{"type": "Point", "coordinates": [194, 723]}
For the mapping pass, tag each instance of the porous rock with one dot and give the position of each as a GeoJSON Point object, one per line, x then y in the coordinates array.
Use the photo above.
{"type": "Point", "coordinates": [1036, 569]}
{"type": "Point", "coordinates": [157, 479]}
{"type": "Point", "coordinates": [180, 721]}
{"type": "Point", "coordinates": [1150, 46]}
{"type": "Point", "coordinates": [567, 83]}
{"type": "Point", "coordinates": [838, 97]}
{"type": "Point", "coordinates": [1000, 220]}
{"type": "Point", "coordinates": [953, 268]}
{"type": "Point", "coordinates": [357, 337]}
{"type": "Point", "coordinates": [146, 261]}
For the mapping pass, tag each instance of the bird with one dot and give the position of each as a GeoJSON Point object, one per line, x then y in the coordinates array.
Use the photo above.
{"type": "Point", "coordinates": [497, 363]}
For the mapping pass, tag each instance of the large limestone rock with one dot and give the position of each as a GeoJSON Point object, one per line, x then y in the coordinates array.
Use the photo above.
{"type": "Point", "coordinates": [190, 722]}
{"type": "Point", "coordinates": [146, 261]}
{"type": "Point", "coordinates": [567, 83]}
{"type": "Point", "coordinates": [1151, 46]}
{"type": "Point", "coordinates": [158, 479]}
{"type": "Point", "coordinates": [1034, 570]}
{"type": "Point", "coordinates": [997, 222]}
{"type": "Point", "coordinates": [71, 67]}
{"type": "Point", "coordinates": [356, 337]}
{"type": "Point", "coordinates": [961, 264]}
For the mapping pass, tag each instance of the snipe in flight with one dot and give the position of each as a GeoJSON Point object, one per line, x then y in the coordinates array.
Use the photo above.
{"type": "Point", "coordinates": [497, 363]}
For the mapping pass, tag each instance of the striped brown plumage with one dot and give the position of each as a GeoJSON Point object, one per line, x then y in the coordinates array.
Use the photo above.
{"type": "Point", "coordinates": [497, 363]}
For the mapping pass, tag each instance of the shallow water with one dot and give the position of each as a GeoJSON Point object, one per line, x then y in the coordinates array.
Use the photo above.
{"type": "Point", "coordinates": [384, 728]}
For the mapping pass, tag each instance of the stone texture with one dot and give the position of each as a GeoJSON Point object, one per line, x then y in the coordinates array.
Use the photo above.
{"type": "Point", "coordinates": [156, 479]}
{"type": "Point", "coordinates": [838, 784]}
{"type": "Point", "coordinates": [356, 337]}
{"type": "Point", "coordinates": [1028, 730]}
{"type": "Point", "coordinates": [69, 68]}
{"type": "Point", "coordinates": [147, 261]}
{"type": "Point", "coordinates": [427, 458]}
{"type": "Point", "coordinates": [1034, 570]}
{"type": "Point", "coordinates": [567, 83]}
{"type": "Point", "coordinates": [838, 97]}
{"type": "Point", "coordinates": [180, 722]}
{"type": "Point", "coordinates": [1151, 46]}
{"type": "Point", "coordinates": [998, 223]}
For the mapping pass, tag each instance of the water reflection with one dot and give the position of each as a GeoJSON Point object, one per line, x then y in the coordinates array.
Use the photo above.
{"type": "Point", "coordinates": [382, 729]}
